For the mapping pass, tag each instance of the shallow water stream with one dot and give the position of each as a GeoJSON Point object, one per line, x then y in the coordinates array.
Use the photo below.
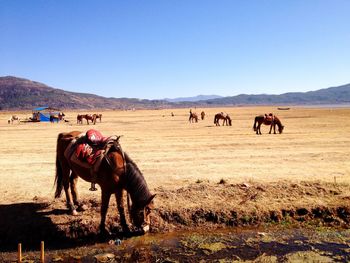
{"type": "Point", "coordinates": [259, 245]}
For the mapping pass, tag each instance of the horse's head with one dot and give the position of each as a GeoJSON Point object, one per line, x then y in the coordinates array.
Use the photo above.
{"type": "Point", "coordinates": [280, 128]}
{"type": "Point", "coordinates": [140, 216]}
{"type": "Point", "coordinates": [229, 120]}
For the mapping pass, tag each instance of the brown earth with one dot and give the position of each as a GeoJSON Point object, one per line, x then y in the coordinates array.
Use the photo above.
{"type": "Point", "coordinates": [204, 176]}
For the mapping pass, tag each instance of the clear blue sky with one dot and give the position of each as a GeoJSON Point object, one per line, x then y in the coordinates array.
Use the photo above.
{"type": "Point", "coordinates": [157, 49]}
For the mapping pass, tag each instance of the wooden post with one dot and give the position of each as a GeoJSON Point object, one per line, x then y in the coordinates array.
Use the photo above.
{"type": "Point", "coordinates": [19, 255]}
{"type": "Point", "coordinates": [42, 252]}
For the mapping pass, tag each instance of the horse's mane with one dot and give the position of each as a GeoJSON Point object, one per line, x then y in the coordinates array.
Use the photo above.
{"type": "Point", "coordinates": [135, 183]}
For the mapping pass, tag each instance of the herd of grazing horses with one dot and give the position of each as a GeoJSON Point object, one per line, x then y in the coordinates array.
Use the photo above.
{"type": "Point", "coordinates": [89, 117]}
{"type": "Point", "coordinates": [267, 119]}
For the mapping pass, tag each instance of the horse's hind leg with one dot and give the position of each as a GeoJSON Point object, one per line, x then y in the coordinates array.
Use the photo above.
{"type": "Point", "coordinates": [66, 182]}
{"type": "Point", "coordinates": [120, 204]}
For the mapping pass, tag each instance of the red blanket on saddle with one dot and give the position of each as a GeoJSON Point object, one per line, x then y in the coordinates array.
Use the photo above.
{"type": "Point", "coordinates": [89, 151]}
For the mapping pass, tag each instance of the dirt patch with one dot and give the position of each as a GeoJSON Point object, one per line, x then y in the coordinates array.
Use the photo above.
{"type": "Point", "coordinates": [204, 205]}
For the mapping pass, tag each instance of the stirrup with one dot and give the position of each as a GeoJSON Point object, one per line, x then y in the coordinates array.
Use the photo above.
{"type": "Point", "coordinates": [93, 188]}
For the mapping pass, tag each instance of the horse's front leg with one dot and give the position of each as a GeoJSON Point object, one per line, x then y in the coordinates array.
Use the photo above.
{"type": "Point", "coordinates": [106, 195]}
{"type": "Point", "coordinates": [271, 128]}
{"type": "Point", "coordinates": [258, 131]}
{"type": "Point", "coordinates": [74, 192]}
{"type": "Point", "coordinates": [120, 204]}
{"type": "Point", "coordinates": [274, 128]}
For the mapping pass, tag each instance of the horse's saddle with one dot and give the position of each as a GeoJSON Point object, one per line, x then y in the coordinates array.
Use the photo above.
{"type": "Point", "coordinates": [87, 148]}
{"type": "Point", "coordinates": [269, 117]}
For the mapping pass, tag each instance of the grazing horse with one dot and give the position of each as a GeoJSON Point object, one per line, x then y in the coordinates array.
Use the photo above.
{"type": "Point", "coordinates": [271, 120]}
{"type": "Point", "coordinates": [116, 173]}
{"type": "Point", "coordinates": [222, 116]}
{"type": "Point", "coordinates": [98, 116]}
{"type": "Point", "coordinates": [202, 115]}
{"type": "Point", "coordinates": [87, 117]}
{"type": "Point", "coordinates": [193, 117]}
{"type": "Point", "coordinates": [79, 119]}
{"type": "Point", "coordinates": [13, 118]}
{"type": "Point", "coordinates": [90, 117]}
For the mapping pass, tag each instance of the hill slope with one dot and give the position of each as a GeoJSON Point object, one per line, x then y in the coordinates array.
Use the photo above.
{"type": "Point", "coordinates": [333, 95]}
{"type": "Point", "coordinates": [19, 93]}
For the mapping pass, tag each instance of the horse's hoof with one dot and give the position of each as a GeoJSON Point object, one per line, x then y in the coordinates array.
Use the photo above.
{"type": "Point", "coordinates": [74, 212]}
{"type": "Point", "coordinates": [145, 229]}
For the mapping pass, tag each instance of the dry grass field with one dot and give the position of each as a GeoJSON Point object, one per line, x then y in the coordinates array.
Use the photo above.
{"type": "Point", "coordinates": [171, 152]}
{"type": "Point", "coordinates": [203, 175]}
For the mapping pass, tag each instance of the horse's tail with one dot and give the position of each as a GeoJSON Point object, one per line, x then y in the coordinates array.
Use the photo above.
{"type": "Point", "coordinates": [215, 119]}
{"type": "Point", "coordinates": [255, 121]}
{"type": "Point", "coordinates": [59, 175]}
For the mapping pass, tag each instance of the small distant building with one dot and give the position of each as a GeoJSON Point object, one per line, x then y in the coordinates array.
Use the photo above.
{"type": "Point", "coordinates": [43, 114]}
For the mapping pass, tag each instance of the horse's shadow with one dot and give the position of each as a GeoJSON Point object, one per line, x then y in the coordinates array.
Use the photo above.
{"type": "Point", "coordinates": [25, 223]}
{"type": "Point", "coordinates": [30, 223]}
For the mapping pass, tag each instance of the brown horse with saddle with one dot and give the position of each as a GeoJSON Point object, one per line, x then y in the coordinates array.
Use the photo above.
{"type": "Point", "coordinates": [101, 160]}
{"type": "Point", "coordinates": [222, 116]}
{"type": "Point", "coordinates": [269, 119]}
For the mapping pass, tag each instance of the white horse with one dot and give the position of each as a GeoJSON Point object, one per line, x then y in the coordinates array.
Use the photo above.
{"type": "Point", "coordinates": [12, 119]}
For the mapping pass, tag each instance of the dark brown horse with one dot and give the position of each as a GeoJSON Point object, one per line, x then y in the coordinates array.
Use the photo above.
{"type": "Point", "coordinates": [271, 120]}
{"type": "Point", "coordinates": [79, 119]}
{"type": "Point", "coordinates": [193, 117]}
{"type": "Point", "coordinates": [222, 116]}
{"type": "Point", "coordinates": [116, 173]}
{"type": "Point", "coordinates": [202, 115]}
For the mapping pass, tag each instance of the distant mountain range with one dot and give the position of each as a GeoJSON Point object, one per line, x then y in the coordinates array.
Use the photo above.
{"type": "Point", "coordinates": [193, 99]}
{"type": "Point", "coordinates": [19, 93]}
